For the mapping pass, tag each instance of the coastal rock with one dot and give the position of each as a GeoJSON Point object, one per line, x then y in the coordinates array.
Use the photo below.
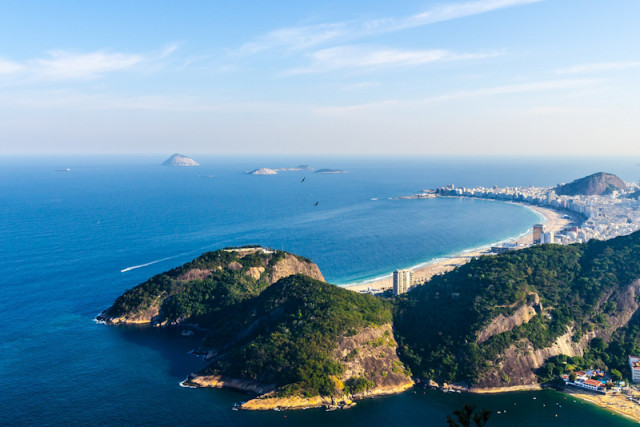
{"type": "Point", "coordinates": [370, 353]}
{"type": "Point", "coordinates": [218, 381]}
{"type": "Point", "coordinates": [180, 160]}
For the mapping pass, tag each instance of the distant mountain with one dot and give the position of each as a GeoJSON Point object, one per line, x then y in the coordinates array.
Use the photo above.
{"type": "Point", "coordinates": [593, 185]}
{"type": "Point", "coordinates": [180, 160]}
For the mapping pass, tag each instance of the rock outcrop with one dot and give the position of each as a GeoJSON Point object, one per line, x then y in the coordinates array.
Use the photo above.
{"type": "Point", "coordinates": [504, 323]}
{"type": "Point", "coordinates": [369, 353]}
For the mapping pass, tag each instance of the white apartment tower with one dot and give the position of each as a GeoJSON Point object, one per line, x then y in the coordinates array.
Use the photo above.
{"type": "Point", "coordinates": [402, 281]}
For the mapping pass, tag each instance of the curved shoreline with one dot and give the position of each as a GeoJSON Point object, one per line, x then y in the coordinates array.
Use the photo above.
{"type": "Point", "coordinates": [553, 220]}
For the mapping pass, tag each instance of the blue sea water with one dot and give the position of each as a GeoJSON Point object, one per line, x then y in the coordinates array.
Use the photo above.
{"type": "Point", "coordinates": [71, 242]}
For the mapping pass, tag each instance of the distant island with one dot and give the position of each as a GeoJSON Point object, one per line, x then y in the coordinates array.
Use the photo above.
{"type": "Point", "coordinates": [271, 171]}
{"type": "Point", "coordinates": [330, 171]}
{"type": "Point", "coordinates": [598, 184]}
{"type": "Point", "coordinates": [180, 160]}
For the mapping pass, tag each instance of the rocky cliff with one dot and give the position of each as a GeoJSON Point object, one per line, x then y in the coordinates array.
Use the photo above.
{"type": "Point", "coordinates": [518, 363]}
{"type": "Point", "coordinates": [367, 356]}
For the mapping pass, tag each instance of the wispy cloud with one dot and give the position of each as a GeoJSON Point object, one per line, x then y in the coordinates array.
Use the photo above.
{"type": "Point", "coordinates": [65, 65]}
{"type": "Point", "coordinates": [597, 67]}
{"type": "Point", "coordinates": [363, 56]}
{"type": "Point", "coordinates": [304, 37]}
{"type": "Point", "coordinates": [359, 86]}
{"type": "Point", "coordinates": [9, 67]}
{"type": "Point", "coordinates": [539, 86]}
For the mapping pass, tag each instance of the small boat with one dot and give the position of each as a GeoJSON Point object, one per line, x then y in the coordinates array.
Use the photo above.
{"type": "Point", "coordinates": [186, 333]}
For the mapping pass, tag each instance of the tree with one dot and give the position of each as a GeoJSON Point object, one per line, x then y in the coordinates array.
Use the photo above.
{"type": "Point", "coordinates": [465, 415]}
{"type": "Point", "coordinates": [616, 375]}
{"type": "Point", "coordinates": [572, 377]}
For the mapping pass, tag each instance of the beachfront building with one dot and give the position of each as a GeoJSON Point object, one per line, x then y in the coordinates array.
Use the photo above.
{"type": "Point", "coordinates": [634, 364]}
{"type": "Point", "coordinates": [538, 234]}
{"type": "Point", "coordinates": [402, 281]}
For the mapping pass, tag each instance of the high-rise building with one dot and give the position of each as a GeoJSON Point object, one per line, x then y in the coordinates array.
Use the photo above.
{"type": "Point", "coordinates": [402, 281]}
{"type": "Point", "coordinates": [538, 229]}
{"type": "Point", "coordinates": [634, 364]}
{"type": "Point", "coordinates": [549, 237]}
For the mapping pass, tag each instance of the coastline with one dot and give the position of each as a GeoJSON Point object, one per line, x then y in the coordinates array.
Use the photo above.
{"type": "Point", "coordinates": [617, 403]}
{"type": "Point", "coordinates": [553, 220]}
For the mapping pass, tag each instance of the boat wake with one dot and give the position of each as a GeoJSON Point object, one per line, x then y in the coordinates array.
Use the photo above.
{"type": "Point", "coordinates": [134, 267]}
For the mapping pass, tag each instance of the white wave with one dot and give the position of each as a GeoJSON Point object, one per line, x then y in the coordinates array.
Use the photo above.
{"type": "Point", "coordinates": [182, 384]}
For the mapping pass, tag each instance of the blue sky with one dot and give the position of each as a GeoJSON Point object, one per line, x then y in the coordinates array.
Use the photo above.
{"type": "Point", "coordinates": [481, 77]}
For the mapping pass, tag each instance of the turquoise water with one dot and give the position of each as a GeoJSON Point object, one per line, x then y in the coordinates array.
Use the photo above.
{"type": "Point", "coordinates": [66, 237]}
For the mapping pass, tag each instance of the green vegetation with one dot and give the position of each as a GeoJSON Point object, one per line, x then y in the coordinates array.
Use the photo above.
{"type": "Point", "coordinates": [437, 324]}
{"type": "Point", "coordinates": [209, 283]}
{"type": "Point", "coordinates": [287, 334]}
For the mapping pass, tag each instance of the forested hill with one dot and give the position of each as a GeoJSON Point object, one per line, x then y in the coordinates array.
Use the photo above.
{"type": "Point", "coordinates": [209, 283]}
{"type": "Point", "coordinates": [493, 321]}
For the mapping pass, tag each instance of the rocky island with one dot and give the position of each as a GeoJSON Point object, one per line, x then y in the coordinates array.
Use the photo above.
{"type": "Point", "coordinates": [270, 171]}
{"type": "Point", "coordinates": [180, 160]}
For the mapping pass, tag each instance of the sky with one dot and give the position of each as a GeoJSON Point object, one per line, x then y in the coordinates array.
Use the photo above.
{"type": "Point", "coordinates": [478, 77]}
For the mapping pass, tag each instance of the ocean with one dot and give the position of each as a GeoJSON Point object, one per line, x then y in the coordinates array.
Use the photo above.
{"type": "Point", "coordinates": [72, 241]}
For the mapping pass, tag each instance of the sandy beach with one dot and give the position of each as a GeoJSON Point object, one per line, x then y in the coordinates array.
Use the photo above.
{"type": "Point", "coordinates": [614, 402]}
{"type": "Point", "coordinates": [555, 221]}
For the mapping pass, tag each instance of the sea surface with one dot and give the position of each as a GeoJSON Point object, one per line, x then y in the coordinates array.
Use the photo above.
{"type": "Point", "coordinates": [72, 241]}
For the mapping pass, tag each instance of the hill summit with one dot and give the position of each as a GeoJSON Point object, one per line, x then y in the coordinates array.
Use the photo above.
{"type": "Point", "coordinates": [600, 183]}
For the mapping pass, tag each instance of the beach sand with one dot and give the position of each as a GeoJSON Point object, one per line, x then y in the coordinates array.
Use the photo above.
{"type": "Point", "coordinates": [614, 402]}
{"type": "Point", "coordinates": [555, 221]}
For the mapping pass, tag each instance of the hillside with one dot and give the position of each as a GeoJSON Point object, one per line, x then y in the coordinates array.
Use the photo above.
{"type": "Point", "coordinates": [205, 285]}
{"type": "Point", "coordinates": [302, 340]}
{"type": "Point", "coordinates": [600, 183]}
{"type": "Point", "coordinates": [273, 330]}
{"type": "Point", "coordinates": [520, 309]}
